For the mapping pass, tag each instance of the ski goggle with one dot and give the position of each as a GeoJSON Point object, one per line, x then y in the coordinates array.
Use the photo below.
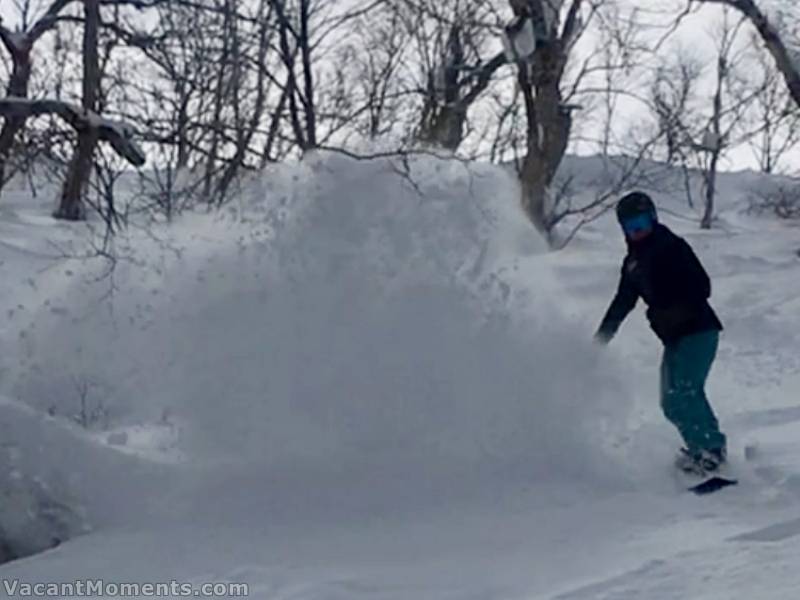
{"type": "Point", "coordinates": [637, 224]}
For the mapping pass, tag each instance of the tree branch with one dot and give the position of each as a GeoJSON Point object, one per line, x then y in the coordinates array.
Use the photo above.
{"type": "Point", "coordinates": [116, 134]}
{"type": "Point", "coordinates": [771, 38]}
{"type": "Point", "coordinates": [484, 77]}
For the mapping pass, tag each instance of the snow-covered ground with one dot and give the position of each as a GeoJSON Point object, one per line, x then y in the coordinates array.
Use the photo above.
{"type": "Point", "coordinates": [359, 383]}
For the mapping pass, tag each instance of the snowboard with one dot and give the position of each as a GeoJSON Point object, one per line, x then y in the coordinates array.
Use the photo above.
{"type": "Point", "coordinates": [711, 483]}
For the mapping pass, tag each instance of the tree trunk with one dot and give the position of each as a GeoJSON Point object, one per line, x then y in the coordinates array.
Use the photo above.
{"type": "Point", "coordinates": [274, 126]}
{"type": "Point", "coordinates": [443, 125]}
{"type": "Point", "coordinates": [8, 134]}
{"type": "Point", "coordinates": [182, 129]}
{"type": "Point", "coordinates": [534, 192]}
{"type": "Point", "coordinates": [444, 114]}
{"type": "Point", "coordinates": [17, 87]}
{"type": "Point", "coordinates": [548, 129]}
{"type": "Point", "coordinates": [309, 102]}
{"type": "Point", "coordinates": [246, 131]}
{"type": "Point", "coordinates": [549, 122]}
{"type": "Point", "coordinates": [71, 206]}
{"type": "Point", "coordinates": [221, 97]}
{"type": "Point", "coordinates": [713, 164]}
{"type": "Point", "coordinates": [710, 192]}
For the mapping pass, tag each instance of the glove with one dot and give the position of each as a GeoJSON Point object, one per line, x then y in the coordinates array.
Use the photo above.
{"type": "Point", "coordinates": [602, 338]}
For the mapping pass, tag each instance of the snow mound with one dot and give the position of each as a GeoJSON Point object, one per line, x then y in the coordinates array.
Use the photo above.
{"type": "Point", "coordinates": [370, 317]}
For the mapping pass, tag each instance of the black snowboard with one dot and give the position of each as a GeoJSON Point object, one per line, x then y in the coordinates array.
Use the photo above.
{"type": "Point", "coordinates": [712, 484]}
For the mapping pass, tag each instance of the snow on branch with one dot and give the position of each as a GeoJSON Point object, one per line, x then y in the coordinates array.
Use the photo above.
{"type": "Point", "coordinates": [116, 133]}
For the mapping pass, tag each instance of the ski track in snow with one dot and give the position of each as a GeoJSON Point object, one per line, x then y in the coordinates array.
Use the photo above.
{"type": "Point", "coordinates": [506, 504]}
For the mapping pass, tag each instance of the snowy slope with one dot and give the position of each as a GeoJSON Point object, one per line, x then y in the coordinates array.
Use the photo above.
{"type": "Point", "coordinates": [360, 384]}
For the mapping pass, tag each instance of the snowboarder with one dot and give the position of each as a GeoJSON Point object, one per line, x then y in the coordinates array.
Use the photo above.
{"type": "Point", "coordinates": [662, 269]}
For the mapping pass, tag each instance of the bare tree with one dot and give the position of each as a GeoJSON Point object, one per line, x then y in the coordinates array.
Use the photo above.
{"type": "Point", "coordinates": [549, 118]}
{"type": "Point", "coordinates": [775, 40]}
{"type": "Point", "coordinates": [227, 78]}
{"type": "Point", "coordinates": [605, 82]}
{"type": "Point", "coordinates": [699, 132]}
{"type": "Point", "coordinates": [86, 120]}
{"type": "Point", "coordinates": [774, 117]}
{"type": "Point", "coordinates": [213, 73]}
{"type": "Point", "coordinates": [296, 50]}
{"type": "Point", "coordinates": [728, 109]}
{"type": "Point", "coordinates": [180, 61]}
{"type": "Point", "coordinates": [246, 125]}
{"type": "Point", "coordinates": [673, 102]}
{"type": "Point", "coordinates": [779, 196]}
{"type": "Point", "coordinates": [19, 45]}
{"type": "Point", "coordinates": [71, 205]}
{"type": "Point", "coordinates": [378, 57]}
{"type": "Point", "coordinates": [454, 62]}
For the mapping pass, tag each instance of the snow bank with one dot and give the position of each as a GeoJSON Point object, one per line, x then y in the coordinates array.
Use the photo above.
{"type": "Point", "coordinates": [345, 320]}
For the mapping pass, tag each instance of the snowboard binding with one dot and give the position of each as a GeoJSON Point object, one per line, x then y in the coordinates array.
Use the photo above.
{"type": "Point", "coordinates": [704, 465]}
{"type": "Point", "coordinates": [701, 463]}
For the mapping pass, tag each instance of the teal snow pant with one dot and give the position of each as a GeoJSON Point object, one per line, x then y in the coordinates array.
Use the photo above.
{"type": "Point", "coordinates": [684, 370]}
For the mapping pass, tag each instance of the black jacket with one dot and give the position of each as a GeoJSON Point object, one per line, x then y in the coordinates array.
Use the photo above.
{"type": "Point", "coordinates": [663, 270]}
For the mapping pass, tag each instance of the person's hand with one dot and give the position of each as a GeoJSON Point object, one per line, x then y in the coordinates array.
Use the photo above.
{"type": "Point", "coordinates": [601, 338]}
